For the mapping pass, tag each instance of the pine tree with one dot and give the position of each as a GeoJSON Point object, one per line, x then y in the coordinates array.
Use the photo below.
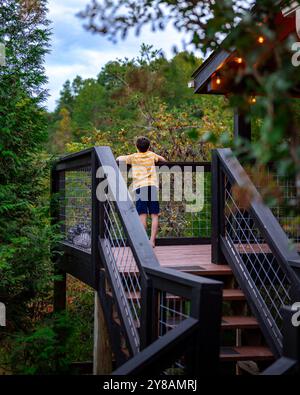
{"type": "Point", "coordinates": [24, 227]}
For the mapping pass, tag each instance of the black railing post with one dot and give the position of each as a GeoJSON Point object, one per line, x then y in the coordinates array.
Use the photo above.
{"type": "Point", "coordinates": [204, 353]}
{"type": "Point", "coordinates": [291, 334]}
{"type": "Point", "coordinates": [217, 207]}
{"type": "Point", "coordinates": [289, 363]}
{"type": "Point", "coordinates": [147, 313]}
{"type": "Point", "coordinates": [95, 223]}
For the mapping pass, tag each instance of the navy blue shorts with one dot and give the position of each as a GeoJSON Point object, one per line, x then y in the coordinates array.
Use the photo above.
{"type": "Point", "coordinates": [147, 200]}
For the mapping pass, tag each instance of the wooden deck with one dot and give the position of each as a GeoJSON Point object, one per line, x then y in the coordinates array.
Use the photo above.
{"type": "Point", "coordinates": [194, 259]}
{"type": "Point", "coordinates": [190, 258]}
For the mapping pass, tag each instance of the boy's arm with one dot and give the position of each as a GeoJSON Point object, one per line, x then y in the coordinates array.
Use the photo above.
{"type": "Point", "coordinates": [160, 158]}
{"type": "Point", "coordinates": [122, 158]}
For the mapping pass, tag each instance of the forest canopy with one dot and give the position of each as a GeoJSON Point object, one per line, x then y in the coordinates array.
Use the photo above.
{"type": "Point", "coordinates": [147, 95]}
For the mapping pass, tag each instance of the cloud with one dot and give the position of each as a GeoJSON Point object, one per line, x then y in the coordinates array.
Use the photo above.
{"type": "Point", "coordinates": [77, 52]}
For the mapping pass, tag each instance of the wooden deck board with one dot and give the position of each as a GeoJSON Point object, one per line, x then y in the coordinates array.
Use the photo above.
{"type": "Point", "coordinates": [190, 258]}
{"type": "Point", "coordinates": [185, 255]}
{"type": "Point", "coordinates": [245, 353]}
{"type": "Point", "coordinates": [187, 258]}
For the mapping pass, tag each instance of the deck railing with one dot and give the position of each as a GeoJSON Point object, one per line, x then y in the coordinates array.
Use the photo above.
{"type": "Point", "coordinates": [185, 201]}
{"type": "Point", "coordinates": [105, 245]}
{"type": "Point", "coordinates": [248, 236]}
{"type": "Point", "coordinates": [185, 326]}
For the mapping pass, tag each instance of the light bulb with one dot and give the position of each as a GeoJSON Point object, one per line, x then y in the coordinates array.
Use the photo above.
{"type": "Point", "coordinates": [261, 39]}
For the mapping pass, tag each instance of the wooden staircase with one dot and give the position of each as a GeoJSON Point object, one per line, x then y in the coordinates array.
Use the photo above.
{"type": "Point", "coordinates": [243, 347]}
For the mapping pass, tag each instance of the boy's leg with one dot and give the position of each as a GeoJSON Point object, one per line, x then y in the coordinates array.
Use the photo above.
{"type": "Point", "coordinates": [141, 206]}
{"type": "Point", "coordinates": [143, 218]}
{"type": "Point", "coordinates": [154, 229]}
{"type": "Point", "coordinates": [154, 211]}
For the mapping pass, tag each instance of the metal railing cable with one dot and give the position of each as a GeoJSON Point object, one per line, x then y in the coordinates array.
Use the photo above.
{"type": "Point", "coordinates": [251, 239]}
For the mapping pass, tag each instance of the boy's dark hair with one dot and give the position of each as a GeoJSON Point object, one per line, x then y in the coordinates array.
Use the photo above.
{"type": "Point", "coordinates": [142, 144]}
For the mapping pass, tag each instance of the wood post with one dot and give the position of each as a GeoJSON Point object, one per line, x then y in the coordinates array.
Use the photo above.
{"type": "Point", "coordinates": [217, 207]}
{"type": "Point", "coordinates": [102, 363]}
{"type": "Point", "coordinates": [242, 126]}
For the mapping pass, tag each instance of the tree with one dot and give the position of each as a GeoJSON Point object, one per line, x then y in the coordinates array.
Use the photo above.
{"type": "Point", "coordinates": [63, 131]}
{"type": "Point", "coordinates": [88, 107]}
{"type": "Point", "coordinates": [206, 23]}
{"type": "Point", "coordinates": [131, 94]}
{"type": "Point", "coordinates": [25, 231]}
{"type": "Point", "coordinates": [66, 97]}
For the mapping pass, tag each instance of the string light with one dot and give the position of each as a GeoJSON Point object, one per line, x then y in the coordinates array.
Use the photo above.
{"type": "Point", "coordinates": [253, 100]}
{"type": "Point", "coordinates": [239, 60]}
{"type": "Point", "coordinates": [261, 39]}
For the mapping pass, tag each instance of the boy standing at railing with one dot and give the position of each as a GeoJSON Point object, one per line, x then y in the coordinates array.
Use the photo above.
{"type": "Point", "coordinates": [145, 183]}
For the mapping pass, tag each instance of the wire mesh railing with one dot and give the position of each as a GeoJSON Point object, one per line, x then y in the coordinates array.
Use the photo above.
{"type": "Point", "coordinates": [182, 217]}
{"type": "Point", "coordinates": [75, 207]}
{"type": "Point", "coordinates": [281, 195]}
{"type": "Point", "coordinates": [187, 215]}
{"type": "Point", "coordinates": [123, 266]}
{"type": "Point", "coordinates": [254, 243]}
{"type": "Point", "coordinates": [259, 266]}
{"type": "Point", "coordinates": [185, 200]}
{"type": "Point", "coordinates": [173, 310]}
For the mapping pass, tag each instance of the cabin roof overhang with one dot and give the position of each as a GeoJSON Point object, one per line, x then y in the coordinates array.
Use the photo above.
{"type": "Point", "coordinates": [204, 73]}
{"type": "Point", "coordinates": [204, 76]}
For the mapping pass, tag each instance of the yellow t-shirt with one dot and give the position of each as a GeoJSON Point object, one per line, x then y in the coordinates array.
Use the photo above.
{"type": "Point", "coordinates": [143, 169]}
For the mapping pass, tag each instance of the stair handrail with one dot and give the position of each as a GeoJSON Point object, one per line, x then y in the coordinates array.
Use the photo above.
{"type": "Point", "coordinates": [225, 164]}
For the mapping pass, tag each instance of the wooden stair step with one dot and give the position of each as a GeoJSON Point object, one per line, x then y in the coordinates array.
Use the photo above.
{"type": "Point", "coordinates": [233, 294]}
{"type": "Point", "coordinates": [137, 296]}
{"type": "Point", "coordinates": [228, 295]}
{"type": "Point", "coordinates": [239, 322]}
{"type": "Point", "coordinates": [255, 353]}
{"type": "Point", "coordinates": [204, 270]}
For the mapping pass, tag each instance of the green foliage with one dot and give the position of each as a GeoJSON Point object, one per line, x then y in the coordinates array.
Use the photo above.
{"type": "Point", "coordinates": [43, 351]}
{"type": "Point", "coordinates": [24, 228]}
{"type": "Point", "coordinates": [145, 95]}
{"type": "Point", "coordinates": [268, 72]}
{"type": "Point", "coordinates": [80, 308]}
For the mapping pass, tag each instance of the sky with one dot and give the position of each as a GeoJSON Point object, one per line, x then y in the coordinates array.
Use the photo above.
{"type": "Point", "coordinates": [78, 52]}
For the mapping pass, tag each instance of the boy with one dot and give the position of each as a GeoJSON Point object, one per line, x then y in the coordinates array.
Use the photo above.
{"type": "Point", "coordinates": [145, 183]}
